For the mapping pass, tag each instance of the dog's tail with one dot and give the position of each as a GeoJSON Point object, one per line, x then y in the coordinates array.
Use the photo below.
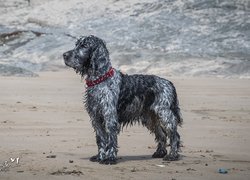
{"type": "Point", "coordinates": [178, 115]}
{"type": "Point", "coordinates": [176, 110]}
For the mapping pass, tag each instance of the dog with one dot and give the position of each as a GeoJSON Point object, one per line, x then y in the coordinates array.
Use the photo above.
{"type": "Point", "coordinates": [114, 100]}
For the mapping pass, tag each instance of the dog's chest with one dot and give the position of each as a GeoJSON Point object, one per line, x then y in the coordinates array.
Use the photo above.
{"type": "Point", "coordinates": [101, 97]}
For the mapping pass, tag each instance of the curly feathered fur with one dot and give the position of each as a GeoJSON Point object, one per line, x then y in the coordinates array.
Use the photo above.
{"type": "Point", "coordinates": [125, 99]}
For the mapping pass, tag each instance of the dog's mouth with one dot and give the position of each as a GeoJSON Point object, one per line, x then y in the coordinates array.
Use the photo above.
{"type": "Point", "coordinates": [78, 68]}
{"type": "Point", "coordinates": [70, 64]}
{"type": "Point", "coordinates": [79, 65]}
{"type": "Point", "coordinates": [66, 63]}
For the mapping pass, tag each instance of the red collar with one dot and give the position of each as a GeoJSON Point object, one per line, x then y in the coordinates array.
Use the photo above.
{"type": "Point", "coordinates": [108, 74]}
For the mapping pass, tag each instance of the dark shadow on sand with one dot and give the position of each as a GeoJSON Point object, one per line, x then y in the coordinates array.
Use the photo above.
{"type": "Point", "coordinates": [134, 158]}
{"type": "Point", "coordinates": [129, 158]}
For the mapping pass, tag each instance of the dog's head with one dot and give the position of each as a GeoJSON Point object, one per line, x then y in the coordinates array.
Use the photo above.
{"type": "Point", "coordinates": [90, 54]}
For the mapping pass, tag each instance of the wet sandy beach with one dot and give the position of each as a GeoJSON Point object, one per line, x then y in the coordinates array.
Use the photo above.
{"type": "Point", "coordinates": [44, 124]}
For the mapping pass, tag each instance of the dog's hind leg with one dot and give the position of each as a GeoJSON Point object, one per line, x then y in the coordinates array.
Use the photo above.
{"type": "Point", "coordinates": [160, 137]}
{"type": "Point", "coordinates": [169, 123]}
{"type": "Point", "coordinates": [174, 146]}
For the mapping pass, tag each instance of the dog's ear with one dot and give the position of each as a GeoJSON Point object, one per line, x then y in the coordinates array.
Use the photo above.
{"type": "Point", "coordinates": [99, 57]}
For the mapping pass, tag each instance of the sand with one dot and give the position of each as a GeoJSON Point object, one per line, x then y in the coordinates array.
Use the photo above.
{"type": "Point", "coordinates": [43, 123]}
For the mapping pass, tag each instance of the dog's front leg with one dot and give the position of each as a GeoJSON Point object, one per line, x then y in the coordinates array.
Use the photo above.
{"type": "Point", "coordinates": [101, 141]}
{"type": "Point", "coordinates": [112, 129]}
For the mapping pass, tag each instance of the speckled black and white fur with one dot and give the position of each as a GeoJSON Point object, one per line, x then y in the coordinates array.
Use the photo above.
{"type": "Point", "coordinates": [125, 99]}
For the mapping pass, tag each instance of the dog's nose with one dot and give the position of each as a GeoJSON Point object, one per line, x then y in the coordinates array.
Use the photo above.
{"type": "Point", "coordinates": [65, 55]}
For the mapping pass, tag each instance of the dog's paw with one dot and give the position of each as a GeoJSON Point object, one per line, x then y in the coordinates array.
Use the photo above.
{"type": "Point", "coordinates": [94, 158]}
{"type": "Point", "coordinates": [171, 157]}
{"type": "Point", "coordinates": [159, 154]}
{"type": "Point", "coordinates": [110, 161]}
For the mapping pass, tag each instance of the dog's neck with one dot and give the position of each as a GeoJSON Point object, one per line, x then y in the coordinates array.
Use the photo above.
{"type": "Point", "coordinates": [106, 76]}
{"type": "Point", "coordinates": [98, 70]}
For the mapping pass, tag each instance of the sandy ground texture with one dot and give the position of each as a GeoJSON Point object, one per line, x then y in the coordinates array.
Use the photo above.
{"type": "Point", "coordinates": [45, 132]}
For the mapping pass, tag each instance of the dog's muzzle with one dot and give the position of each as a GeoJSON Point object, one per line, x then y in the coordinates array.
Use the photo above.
{"type": "Point", "coordinates": [66, 55]}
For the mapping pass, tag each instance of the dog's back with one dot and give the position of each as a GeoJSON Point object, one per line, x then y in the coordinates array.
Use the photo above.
{"type": "Point", "coordinates": [141, 95]}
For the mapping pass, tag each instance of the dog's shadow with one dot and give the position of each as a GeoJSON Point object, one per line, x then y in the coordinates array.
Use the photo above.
{"type": "Point", "coordinates": [129, 158]}
{"type": "Point", "coordinates": [134, 158]}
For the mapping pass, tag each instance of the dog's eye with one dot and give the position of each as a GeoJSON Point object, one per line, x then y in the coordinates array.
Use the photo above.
{"type": "Point", "coordinates": [84, 45]}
